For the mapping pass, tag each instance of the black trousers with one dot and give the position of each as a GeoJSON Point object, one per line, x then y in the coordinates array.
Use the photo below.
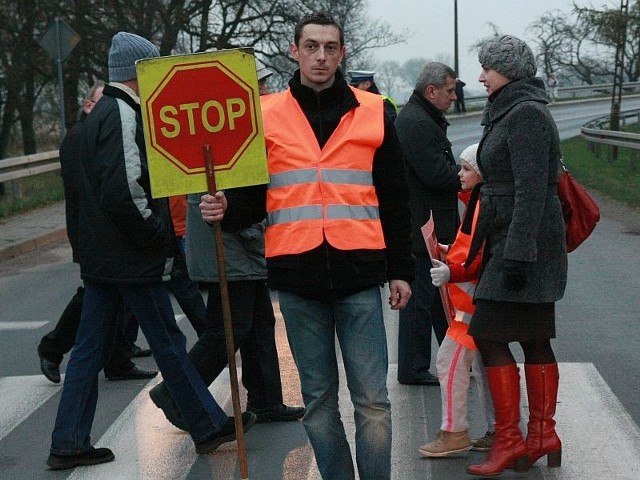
{"type": "Point", "coordinates": [423, 313]}
{"type": "Point", "coordinates": [55, 344]}
{"type": "Point", "coordinates": [254, 334]}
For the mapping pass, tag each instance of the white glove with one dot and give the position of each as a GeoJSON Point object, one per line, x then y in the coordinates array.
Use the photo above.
{"type": "Point", "coordinates": [440, 273]}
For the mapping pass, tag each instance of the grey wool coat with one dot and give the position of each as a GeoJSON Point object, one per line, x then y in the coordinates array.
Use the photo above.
{"type": "Point", "coordinates": [520, 213]}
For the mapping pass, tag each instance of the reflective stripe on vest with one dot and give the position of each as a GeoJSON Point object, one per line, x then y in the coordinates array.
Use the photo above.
{"type": "Point", "coordinates": [315, 194]}
{"type": "Point", "coordinates": [391, 101]}
{"type": "Point", "coordinates": [461, 293]}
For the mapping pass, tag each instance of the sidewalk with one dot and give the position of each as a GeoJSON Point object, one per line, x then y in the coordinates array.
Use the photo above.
{"type": "Point", "coordinates": [29, 231]}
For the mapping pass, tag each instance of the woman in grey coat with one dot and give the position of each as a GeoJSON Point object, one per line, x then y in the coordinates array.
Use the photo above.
{"type": "Point", "coordinates": [521, 231]}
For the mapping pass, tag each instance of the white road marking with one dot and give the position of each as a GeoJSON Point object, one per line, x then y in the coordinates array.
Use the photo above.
{"type": "Point", "coordinates": [21, 325]}
{"type": "Point", "coordinates": [146, 445]}
{"type": "Point", "coordinates": [20, 397]}
{"type": "Point", "coordinates": [600, 439]}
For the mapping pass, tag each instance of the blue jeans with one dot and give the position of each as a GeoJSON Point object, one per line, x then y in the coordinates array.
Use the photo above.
{"type": "Point", "coordinates": [357, 321]}
{"type": "Point", "coordinates": [151, 305]}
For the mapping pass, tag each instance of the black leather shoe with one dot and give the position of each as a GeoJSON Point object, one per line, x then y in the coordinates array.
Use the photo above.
{"type": "Point", "coordinates": [226, 434]}
{"type": "Point", "coordinates": [136, 373]}
{"type": "Point", "coordinates": [140, 352]}
{"type": "Point", "coordinates": [162, 399]}
{"type": "Point", "coordinates": [428, 379]}
{"type": "Point", "coordinates": [50, 369]}
{"type": "Point", "coordinates": [91, 457]}
{"type": "Point", "coordinates": [276, 413]}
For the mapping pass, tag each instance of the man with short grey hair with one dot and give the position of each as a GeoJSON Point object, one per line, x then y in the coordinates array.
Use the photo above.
{"type": "Point", "coordinates": [433, 187]}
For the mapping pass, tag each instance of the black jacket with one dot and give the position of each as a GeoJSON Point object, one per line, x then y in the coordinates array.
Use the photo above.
{"type": "Point", "coordinates": [325, 272]}
{"type": "Point", "coordinates": [70, 169]}
{"type": "Point", "coordinates": [125, 236]}
{"type": "Point", "coordinates": [431, 170]}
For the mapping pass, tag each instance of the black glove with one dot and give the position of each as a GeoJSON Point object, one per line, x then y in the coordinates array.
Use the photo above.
{"type": "Point", "coordinates": [515, 274]}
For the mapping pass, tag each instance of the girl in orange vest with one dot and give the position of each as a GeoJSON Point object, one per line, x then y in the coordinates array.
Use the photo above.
{"type": "Point", "coordinates": [457, 354]}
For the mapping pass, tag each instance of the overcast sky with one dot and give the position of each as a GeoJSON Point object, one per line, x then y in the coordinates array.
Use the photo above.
{"type": "Point", "coordinates": [430, 25]}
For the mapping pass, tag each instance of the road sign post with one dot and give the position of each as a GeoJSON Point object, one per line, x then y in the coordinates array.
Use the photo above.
{"type": "Point", "coordinates": [59, 39]}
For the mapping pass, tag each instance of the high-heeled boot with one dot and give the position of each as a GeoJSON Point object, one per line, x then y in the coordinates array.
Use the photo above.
{"type": "Point", "coordinates": [542, 389]}
{"type": "Point", "coordinates": [509, 448]}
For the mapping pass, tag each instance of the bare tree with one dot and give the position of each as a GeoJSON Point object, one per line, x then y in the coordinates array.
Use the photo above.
{"type": "Point", "coordinates": [176, 26]}
{"type": "Point", "coordinates": [581, 45]}
{"type": "Point", "coordinates": [389, 78]}
{"type": "Point", "coordinates": [411, 69]}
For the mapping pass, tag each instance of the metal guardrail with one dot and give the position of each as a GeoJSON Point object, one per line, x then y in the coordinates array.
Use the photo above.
{"type": "Point", "coordinates": [599, 88]}
{"type": "Point", "coordinates": [596, 131]}
{"type": "Point", "coordinates": [575, 91]}
{"type": "Point", "coordinates": [27, 165]}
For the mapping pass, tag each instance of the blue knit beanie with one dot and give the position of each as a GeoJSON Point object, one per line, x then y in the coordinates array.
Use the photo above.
{"type": "Point", "coordinates": [126, 49]}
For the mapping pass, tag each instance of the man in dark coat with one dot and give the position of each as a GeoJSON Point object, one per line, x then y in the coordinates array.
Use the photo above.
{"type": "Point", "coordinates": [55, 344]}
{"type": "Point", "coordinates": [433, 187]}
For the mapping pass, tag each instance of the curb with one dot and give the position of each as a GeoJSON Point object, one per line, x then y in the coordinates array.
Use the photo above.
{"type": "Point", "coordinates": [33, 244]}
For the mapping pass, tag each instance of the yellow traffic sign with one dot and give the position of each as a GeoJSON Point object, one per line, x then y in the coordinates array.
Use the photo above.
{"type": "Point", "coordinates": [189, 101]}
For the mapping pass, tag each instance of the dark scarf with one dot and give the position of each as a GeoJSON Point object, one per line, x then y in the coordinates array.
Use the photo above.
{"type": "Point", "coordinates": [323, 109]}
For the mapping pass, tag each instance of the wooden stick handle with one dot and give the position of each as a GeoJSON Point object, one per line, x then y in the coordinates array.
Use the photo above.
{"type": "Point", "coordinates": [226, 317]}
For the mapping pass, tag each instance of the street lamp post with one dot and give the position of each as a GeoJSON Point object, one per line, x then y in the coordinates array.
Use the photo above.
{"type": "Point", "coordinates": [455, 37]}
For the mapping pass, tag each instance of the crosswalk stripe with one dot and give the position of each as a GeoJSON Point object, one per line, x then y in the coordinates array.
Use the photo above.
{"type": "Point", "coordinates": [146, 445]}
{"type": "Point", "coordinates": [34, 325]}
{"type": "Point", "coordinates": [600, 439]}
{"type": "Point", "coordinates": [21, 396]}
{"type": "Point", "coordinates": [21, 325]}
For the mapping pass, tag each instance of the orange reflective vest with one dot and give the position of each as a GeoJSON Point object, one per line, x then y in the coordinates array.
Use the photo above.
{"type": "Point", "coordinates": [462, 285]}
{"type": "Point", "coordinates": [316, 193]}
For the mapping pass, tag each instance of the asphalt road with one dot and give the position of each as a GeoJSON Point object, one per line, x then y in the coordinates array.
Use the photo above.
{"type": "Point", "coordinates": [597, 346]}
{"type": "Point", "coordinates": [569, 116]}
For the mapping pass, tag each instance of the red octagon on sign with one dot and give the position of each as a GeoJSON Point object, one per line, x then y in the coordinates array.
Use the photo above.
{"type": "Point", "coordinates": [199, 104]}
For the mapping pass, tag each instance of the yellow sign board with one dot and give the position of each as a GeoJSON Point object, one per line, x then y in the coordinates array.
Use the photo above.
{"type": "Point", "coordinates": [189, 101]}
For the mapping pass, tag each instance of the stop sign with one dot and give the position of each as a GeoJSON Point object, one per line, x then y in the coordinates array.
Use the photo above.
{"type": "Point", "coordinates": [197, 104]}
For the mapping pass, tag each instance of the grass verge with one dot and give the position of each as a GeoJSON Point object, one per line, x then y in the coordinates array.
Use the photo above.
{"type": "Point", "coordinates": [617, 179]}
{"type": "Point", "coordinates": [29, 193]}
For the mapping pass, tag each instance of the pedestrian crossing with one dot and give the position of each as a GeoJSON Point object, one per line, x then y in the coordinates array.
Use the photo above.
{"type": "Point", "coordinates": [21, 325]}
{"type": "Point", "coordinates": [19, 397]}
{"type": "Point", "coordinates": [600, 439]}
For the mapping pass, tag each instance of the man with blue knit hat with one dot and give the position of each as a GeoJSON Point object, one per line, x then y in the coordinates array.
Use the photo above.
{"type": "Point", "coordinates": [363, 80]}
{"type": "Point", "coordinates": [126, 249]}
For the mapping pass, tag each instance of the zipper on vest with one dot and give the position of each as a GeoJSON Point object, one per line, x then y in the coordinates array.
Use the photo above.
{"type": "Point", "coordinates": [327, 257]}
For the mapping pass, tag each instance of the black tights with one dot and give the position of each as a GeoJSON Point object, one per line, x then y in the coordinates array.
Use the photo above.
{"type": "Point", "coordinates": [496, 354]}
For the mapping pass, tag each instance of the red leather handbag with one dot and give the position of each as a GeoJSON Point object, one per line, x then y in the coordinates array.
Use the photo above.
{"type": "Point", "coordinates": [581, 212]}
